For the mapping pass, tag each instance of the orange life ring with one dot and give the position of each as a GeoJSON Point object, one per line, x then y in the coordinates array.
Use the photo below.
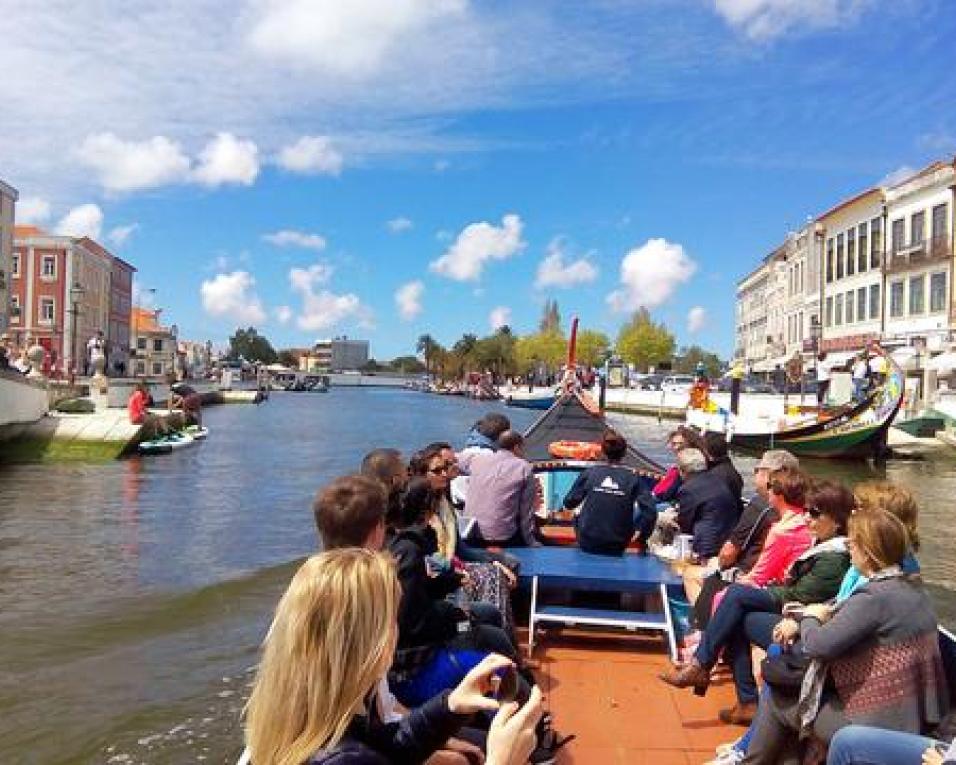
{"type": "Point", "coordinates": [576, 450]}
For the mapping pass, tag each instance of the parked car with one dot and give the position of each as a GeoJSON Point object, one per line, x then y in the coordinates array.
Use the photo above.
{"type": "Point", "coordinates": [647, 382]}
{"type": "Point", "coordinates": [677, 383]}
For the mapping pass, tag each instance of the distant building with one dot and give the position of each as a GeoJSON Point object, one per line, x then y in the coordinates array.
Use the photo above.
{"type": "Point", "coordinates": [195, 359]}
{"type": "Point", "coordinates": [8, 201]}
{"type": "Point", "coordinates": [336, 355]}
{"type": "Point", "coordinates": [154, 347]}
{"type": "Point", "coordinates": [63, 291]}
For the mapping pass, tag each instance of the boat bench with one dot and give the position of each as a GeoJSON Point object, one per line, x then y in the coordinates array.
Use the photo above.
{"type": "Point", "coordinates": [568, 568]}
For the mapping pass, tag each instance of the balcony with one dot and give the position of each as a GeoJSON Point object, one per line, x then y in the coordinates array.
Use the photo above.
{"type": "Point", "coordinates": [916, 255]}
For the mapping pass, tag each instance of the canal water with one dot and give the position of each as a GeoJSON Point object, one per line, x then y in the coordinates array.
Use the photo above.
{"type": "Point", "coordinates": [134, 595]}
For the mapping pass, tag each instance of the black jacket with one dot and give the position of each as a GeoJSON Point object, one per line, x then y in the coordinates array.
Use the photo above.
{"type": "Point", "coordinates": [424, 616]}
{"type": "Point", "coordinates": [411, 740]}
{"type": "Point", "coordinates": [708, 510]}
{"type": "Point", "coordinates": [727, 473]}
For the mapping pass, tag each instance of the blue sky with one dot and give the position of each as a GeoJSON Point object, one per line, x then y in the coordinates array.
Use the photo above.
{"type": "Point", "coordinates": [384, 168]}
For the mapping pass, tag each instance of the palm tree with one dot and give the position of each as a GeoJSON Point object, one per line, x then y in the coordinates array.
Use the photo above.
{"type": "Point", "coordinates": [426, 347]}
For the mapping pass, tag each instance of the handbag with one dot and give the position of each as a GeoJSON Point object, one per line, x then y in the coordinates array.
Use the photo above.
{"type": "Point", "coordinates": [785, 671]}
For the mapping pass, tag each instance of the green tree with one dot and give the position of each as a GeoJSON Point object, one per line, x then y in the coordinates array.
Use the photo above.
{"type": "Point", "coordinates": [643, 342]}
{"type": "Point", "coordinates": [496, 352]}
{"type": "Point", "coordinates": [549, 348]}
{"type": "Point", "coordinates": [592, 347]}
{"type": "Point", "coordinates": [550, 318]}
{"type": "Point", "coordinates": [251, 346]}
{"type": "Point", "coordinates": [687, 360]}
{"type": "Point", "coordinates": [288, 359]}
{"type": "Point", "coordinates": [428, 349]}
{"type": "Point", "coordinates": [407, 365]}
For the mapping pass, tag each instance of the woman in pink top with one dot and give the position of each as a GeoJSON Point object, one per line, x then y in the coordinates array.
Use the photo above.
{"type": "Point", "coordinates": [790, 536]}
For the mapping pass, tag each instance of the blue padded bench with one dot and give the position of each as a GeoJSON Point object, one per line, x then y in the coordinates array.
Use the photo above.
{"type": "Point", "coordinates": [571, 569]}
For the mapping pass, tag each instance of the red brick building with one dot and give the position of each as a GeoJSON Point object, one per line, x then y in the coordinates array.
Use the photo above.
{"type": "Point", "coordinates": [65, 289]}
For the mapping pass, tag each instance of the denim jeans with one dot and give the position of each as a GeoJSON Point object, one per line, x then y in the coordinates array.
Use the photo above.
{"type": "Point", "coordinates": [862, 745]}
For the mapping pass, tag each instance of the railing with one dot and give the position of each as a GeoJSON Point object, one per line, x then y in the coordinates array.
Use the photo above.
{"type": "Point", "coordinates": [919, 254]}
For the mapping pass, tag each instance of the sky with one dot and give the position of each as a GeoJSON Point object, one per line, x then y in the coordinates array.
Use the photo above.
{"type": "Point", "coordinates": [386, 168]}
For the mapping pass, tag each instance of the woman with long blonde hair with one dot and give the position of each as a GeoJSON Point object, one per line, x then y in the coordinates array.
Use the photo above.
{"type": "Point", "coordinates": [331, 642]}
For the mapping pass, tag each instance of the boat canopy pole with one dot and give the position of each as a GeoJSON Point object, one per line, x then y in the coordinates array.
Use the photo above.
{"type": "Point", "coordinates": [570, 381]}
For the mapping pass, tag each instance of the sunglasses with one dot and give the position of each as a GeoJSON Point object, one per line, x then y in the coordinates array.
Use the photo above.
{"type": "Point", "coordinates": [438, 470]}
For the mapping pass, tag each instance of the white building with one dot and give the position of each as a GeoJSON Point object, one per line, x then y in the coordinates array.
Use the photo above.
{"type": "Point", "coordinates": [751, 326]}
{"type": "Point", "coordinates": [8, 201]}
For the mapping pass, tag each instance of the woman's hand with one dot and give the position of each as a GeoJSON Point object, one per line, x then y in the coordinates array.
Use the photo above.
{"type": "Point", "coordinates": [932, 756]}
{"type": "Point", "coordinates": [786, 632]}
{"type": "Point", "coordinates": [819, 611]}
{"type": "Point", "coordinates": [507, 573]}
{"type": "Point", "coordinates": [471, 694]}
{"type": "Point", "coordinates": [511, 737]}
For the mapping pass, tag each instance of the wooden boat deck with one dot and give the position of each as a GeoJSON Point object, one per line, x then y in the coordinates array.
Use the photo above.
{"type": "Point", "coordinates": [604, 688]}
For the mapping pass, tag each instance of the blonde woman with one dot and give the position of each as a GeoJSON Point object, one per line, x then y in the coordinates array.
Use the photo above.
{"type": "Point", "coordinates": [330, 644]}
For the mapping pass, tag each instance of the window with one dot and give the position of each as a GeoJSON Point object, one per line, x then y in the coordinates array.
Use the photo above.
{"type": "Point", "coordinates": [899, 235]}
{"type": "Point", "coordinates": [876, 242]}
{"type": "Point", "coordinates": [939, 224]}
{"type": "Point", "coordinates": [829, 262]}
{"type": "Point", "coordinates": [158, 344]}
{"type": "Point", "coordinates": [15, 266]}
{"type": "Point", "coordinates": [937, 292]}
{"type": "Point", "coordinates": [141, 343]}
{"type": "Point", "coordinates": [47, 310]}
{"type": "Point", "coordinates": [849, 307]}
{"type": "Point", "coordinates": [850, 252]}
{"type": "Point", "coordinates": [918, 294]}
{"type": "Point", "coordinates": [140, 367]}
{"type": "Point", "coordinates": [874, 301]}
{"type": "Point", "coordinates": [839, 257]}
{"type": "Point", "coordinates": [861, 304]}
{"type": "Point", "coordinates": [48, 267]}
{"type": "Point", "coordinates": [917, 228]}
{"type": "Point", "coordinates": [15, 309]}
{"type": "Point", "coordinates": [829, 312]}
{"type": "Point", "coordinates": [838, 309]}
{"type": "Point", "coordinates": [157, 367]}
{"type": "Point", "coordinates": [862, 253]}
{"type": "Point", "coordinates": [896, 300]}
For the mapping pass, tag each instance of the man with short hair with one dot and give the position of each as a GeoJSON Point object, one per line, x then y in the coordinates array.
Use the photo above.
{"type": "Point", "coordinates": [387, 466]}
{"type": "Point", "coordinates": [350, 512]}
{"type": "Point", "coordinates": [706, 507]}
{"type": "Point", "coordinates": [483, 437]}
{"type": "Point", "coordinates": [501, 493]}
{"type": "Point", "coordinates": [613, 502]}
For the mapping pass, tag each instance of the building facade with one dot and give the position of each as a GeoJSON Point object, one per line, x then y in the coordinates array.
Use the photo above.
{"type": "Point", "coordinates": [8, 201]}
{"type": "Point", "coordinates": [153, 349]}
{"type": "Point", "coordinates": [62, 294]}
{"type": "Point", "coordinates": [340, 354]}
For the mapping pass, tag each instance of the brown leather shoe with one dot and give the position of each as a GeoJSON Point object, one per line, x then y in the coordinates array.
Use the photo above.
{"type": "Point", "coordinates": [739, 714]}
{"type": "Point", "coordinates": [690, 675]}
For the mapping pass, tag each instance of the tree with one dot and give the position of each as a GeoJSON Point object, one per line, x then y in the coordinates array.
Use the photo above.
{"type": "Point", "coordinates": [427, 347]}
{"type": "Point", "coordinates": [496, 352]}
{"type": "Point", "coordinates": [251, 346]}
{"type": "Point", "coordinates": [643, 342]}
{"type": "Point", "coordinates": [548, 348]}
{"type": "Point", "coordinates": [550, 318]}
{"type": "Point", "coordinates": [688, 359]}
{"type": "Point", "coordinates": [288, 358]}
{"type": "Point", "coordinates": [592, 347]}
{"type": "Point", "coordinates": [407, 365]}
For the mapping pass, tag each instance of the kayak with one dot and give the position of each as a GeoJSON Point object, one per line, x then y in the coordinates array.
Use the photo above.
{"type": "Point", "coordinates": [166, 444]}
{"type": "Point", "coordinates": [196, 432]}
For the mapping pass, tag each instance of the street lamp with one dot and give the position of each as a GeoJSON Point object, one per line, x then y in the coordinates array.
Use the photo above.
{"type": "Point", "coordinates": [76, 295]}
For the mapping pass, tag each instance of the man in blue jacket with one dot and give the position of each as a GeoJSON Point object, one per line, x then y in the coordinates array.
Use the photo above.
{"type": "Point", "coordinates": [706, 507]}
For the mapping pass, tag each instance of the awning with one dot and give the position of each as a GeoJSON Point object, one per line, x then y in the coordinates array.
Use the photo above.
{"type": "Point", "coordinates": [945, 362]}
{"type": "Point", "coordinates": [905, 357]}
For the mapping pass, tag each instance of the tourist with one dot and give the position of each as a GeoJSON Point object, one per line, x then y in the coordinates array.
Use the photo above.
{"type": "Point", "coordinates": [388, 468]}
{"type": "Point", "coordinates": [861, 377]}
{"type": "Point", "coordinates": [483, 437]}
{"type": "Point", "coordinates": [719, 463]}
{"type": "Point", "coordinates": [878, 649]}
{"type": "Point", "coordinates": [138, 408]}
{"type": "Point", "coordinates": [748, 614]}
{"type": "Point", "coordinates": [666, 489]}
{"type": "Point", "coordinates": [611, 501]}
{"type": "Point", "coordinates": [742, 549]}
{"type": "Point", "coordinates": [823, 378]}
{"type": "Point", "coordinates": [706, 507]}
{"type": "Point", "coordinates": [185, 398]}
{"type": "Point", "coordinates": [866, 745]}
{"type": "Point", "coordinates": [502, 492]}
{"type": "Point", "coordinates": [329, 646]}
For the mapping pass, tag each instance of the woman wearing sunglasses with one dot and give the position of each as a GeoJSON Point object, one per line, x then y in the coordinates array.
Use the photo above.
{"type": "Point", "coordinates": [749, 614]}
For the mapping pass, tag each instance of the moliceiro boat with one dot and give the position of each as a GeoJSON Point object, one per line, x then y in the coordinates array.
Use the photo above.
{"type": "Point", "coordinates": [855, 430]}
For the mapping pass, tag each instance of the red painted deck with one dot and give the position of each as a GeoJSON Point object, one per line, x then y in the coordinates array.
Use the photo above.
{"type": "Point", "coordinates": [604, 688]}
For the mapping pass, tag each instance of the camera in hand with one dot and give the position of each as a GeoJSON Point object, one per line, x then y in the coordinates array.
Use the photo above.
{"type": "Point", "coordinates": [507, 685]}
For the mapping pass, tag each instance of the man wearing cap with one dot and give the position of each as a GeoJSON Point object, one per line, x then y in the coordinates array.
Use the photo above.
{"type": "Point", "coordinates": [745, 542]}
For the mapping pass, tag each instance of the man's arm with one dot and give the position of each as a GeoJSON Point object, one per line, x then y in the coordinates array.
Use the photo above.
{"type": "Point", "coordinates": [577, 492]}
{"type": "Point", "coordinates": [526, 510]}
{"type": "Point", "coordinates": [728, 555]}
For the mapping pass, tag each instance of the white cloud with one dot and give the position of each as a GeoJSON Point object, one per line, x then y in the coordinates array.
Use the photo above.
{"type": "Point", "coordinates": [227, 159]}
{"type": "Point", "coordinates": [696, 319]}
{"type": "Point", "coordinates": [399, 224]}
{"type": "Point", "coordinates": [132, 165]}
{"type": "Point", "coordinates": [292, 238]}
{"type": "Point", "coordinates": [897, 176]}
{"type": "Point", "coordinates": [554, 272]}
{"type": "Point", "coordinates": [477, 244]}
{"type": "Point", "coordinates": [232, 296]}
{"type": "Point", "coordinates": [120, 235]}
{"type": "Point", "coordinates": [283, 314]}
{"type": "Point", "coordinates": [322, 308]}
{"type": "Point", "coordinates": [84, 220]}
{"type": "Point", "coordinates": [352, 39]}
{"type": "Point", "coordinates": [311, 155]}
{"type": "Point", "coordinates": [650, 274]}
{"type": "Point", "coordinates": [32, 210]}
{"type": "Point", "coordinates": [499, 317]}
{"type": "Point", "coordinates": [766, 19]}
{"type": "Point", "coordinates": [408, 298]}
{"type": "Point", "coordinates": [441, 165]}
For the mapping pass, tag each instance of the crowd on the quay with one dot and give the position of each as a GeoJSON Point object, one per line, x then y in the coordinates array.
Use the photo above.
{"type": "Point", "coordinates": [396, 643]}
